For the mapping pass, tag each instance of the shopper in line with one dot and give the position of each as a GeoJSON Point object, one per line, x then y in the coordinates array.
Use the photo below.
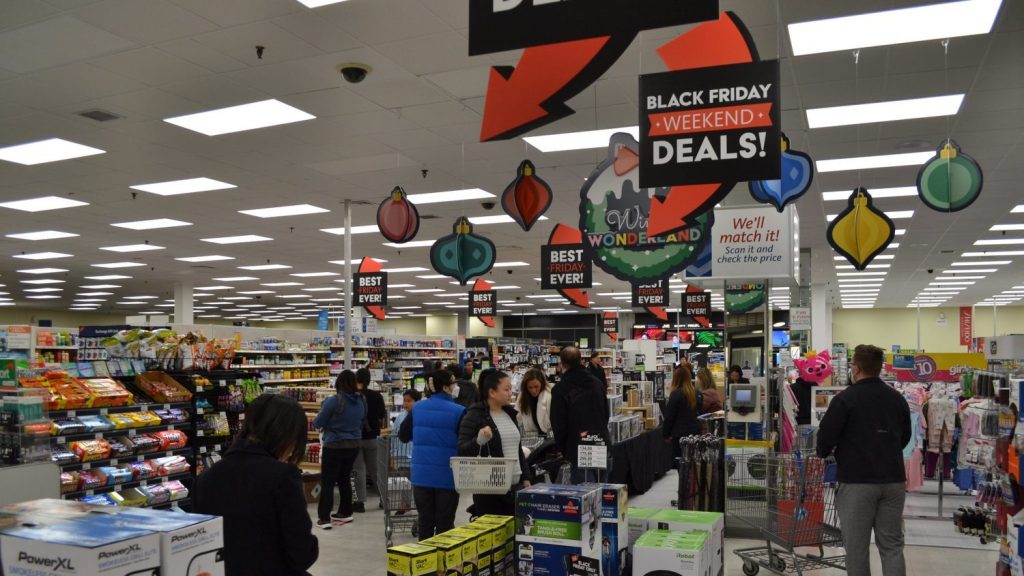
{"type": "Point", "coordinates": [736, 375]}
{"type": "Point", "coordinates": [489, 429]}
{"type": "Point", "coordinates": [709, 391]}
{"type": "Point", "coordinates": [257, 488]}
{"type": "Point", "coordinates": [366, 462]}
{"type": "Point", "coordinates": [466, 393]}
{"type": "Point", "coordinates": [867, 426]}
{"type": "Point", "coordinates": [579, 406]}
{"type": "Point", "coordinates": [432, 426]}
{"type": "Point", "coordinates": [409, 399]}
{"type": "Point", "coordinates": [342, 419]}
{"type": "Point", "coordinates": [682, 409]}
{"type": "Point", "coordinates": [535, 403]}
{"type": "Point", "coordinates": [597, 369]}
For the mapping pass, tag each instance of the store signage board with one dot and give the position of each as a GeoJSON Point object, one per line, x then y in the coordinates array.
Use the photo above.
{"type": "Point", "coordinates": [966, 325]}
{"type": "Point", "coordinates": [19, 337]}
{"type": "Point", "coordinates": [799, 318]}
{"type": "Point", "coordinates": [651, 294]}
{"type": "Point", "coordinates": [697, 304]}
{"type": "Point", "coordinates": [937, 367]}
{"type": "Point", "coordinates": [743, 298]}
{"type": "Point", "coordinates": [502, 25]}
{"type": "Point", "coordinates": [610, 324]}
{"type": "Point", "coordinates": [483, 303]}
{"type": "Point", "coordinates": [708, 125]}
{"type": "Point", "coordinates": [755, 243]}
{"type": "Point", "coordinates": [821, 397]}
{"type": "Point", "coordinates": [592, 452]}
{"type": "Point", "coordinates": [371, 289]}
{"type": "Point", "coordinates": [565, 266]}
{"type": "Point", "coordinates": [321, 320]}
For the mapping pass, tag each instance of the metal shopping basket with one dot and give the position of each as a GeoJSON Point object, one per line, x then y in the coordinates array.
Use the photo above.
{"type": "Point", "coordinates": [786, 498]}
{"type": "Point", "coordinates": [394, 471]}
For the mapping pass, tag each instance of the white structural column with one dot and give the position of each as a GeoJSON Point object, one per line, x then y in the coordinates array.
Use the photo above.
{"type": "Point", "coordinates": [183, 303]}
{"type": "Point", "coordinates": [821, 317]}
{"type": "Point", "coordinates": [349, 290]}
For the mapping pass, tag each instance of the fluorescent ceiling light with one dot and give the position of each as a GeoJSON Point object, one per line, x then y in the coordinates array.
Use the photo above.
{"type": "Point", "coordinates": [449, 196]}
{"type": "Point", "coordinates": [240, 118]}
{"type": "Point", "coordinates": [208, 258]}
{"type": "Point", "coordinates": [900, 231]}
{"type": "Point", "coordinates": [321, 289]}
{"type": "Point", "coordinates": [187, 186]}
{"type": "Point", "coordinates": [279, 211]}
{"type": "Point", "coordinates": [151, 224]}
{"type": "Point", "coordinates": [993, 253]}
{"type": "Point", "coordinates": [869, 266]}
{"type": "Point", "coordinates": [424, 290]}
{"type": "Point", "coordinates": [843, 259]}
{"type": "Point", "coordinates": [100, 286]}
{"type": "Point", "coordinates": [892, 214]}
{"type": "Point", "coordinates": [869, 162]}
{"type": "Point", "coordinates": [442, 303]}
{"type": "Point", "coordinates": [41, 270]}
{"type": "Point", "coordinates": [996, 228]}
{"type": "Point", "coordinates": [508, 287]}
{"type": "Point", "coordinates": [132, 248]}
{"type": "Point", "coordinates": [43, 256]}
{"type": "Point", "coordinates": [109, 277]}
{"type": "Point", "coordinates": [520, 304]}
{"type": "Point", "coordinates": [931, 22]}
{"type": "Point", "coordinates": [41, 290]}
{"type": "Point", "coordinates": [410, 269]}
{"type": "Point", "coordinates": [875, 193]}
{"type": "Point", "coordinates": [289, 296]}
{"type": "Point", "coordinates": [232, 298]}
{"type": "Point", "coordinates": [578, 140]}
{"type": "Point", "coordinates": [43, 204]}
{"type": "Point", "coordinates": [237, 239]}
{"type": "Point", "coordinates": [252, 292]}
{"type": "Point", "coordinates": [499, 219]}
{"type": "Point", "coordinates": [510, 264]}
{"type": "Point", "coordinates": [212, 288]}
{"type": "Point", "coordinates": [407, 307]}
{"type": "Point", "coordinates": [884, 111]}
{"type": "Point", "coordinates": [989, 263]}
{"type": "Point", "coordinates": [236, 279]}
{"type": "Point", "coordinates": [277, 284]}
{"type": "Point", "coordinates": [129, 303]}
{"type": "Point", "coordinates": [432, 276]}
{"type": "Point", "coordinates": [355, 262]}
{"type": "Point", "coordinates": [970, 271]}
{"type": "Point", "coordinates": [1018, 209]}
{"type": "Point", "coordinates": [401, 285]}
{"type": "Point", "coordinates": [91, 294]}
{"type": "Point", "coordinates": [44, 297]}
{"type": "Point", "coordinates": [314, 274]}
{"type": "Point", "coordinates": [367, 229]}
{"type": "Point", "coordinates": [413, 244]}
{"type": "Point", "coordinates": [265, 267]}
{"type": "Point", "coordinates": [41, 281]}
{"type": "Point", "coordinates": [861, 273]}
{"type": "Point", "coordinates": [998, 241]}
{"type": "Point", "coordinates": [43, 151]}
{"type": "Point", "coordinates": [955, 283]}
{"type": "Point", "coordinates": [141, 297]}
{"type": "Point", "coordinates": [42, 235]}
{"type": "Point", "coordinates": [959, 277]}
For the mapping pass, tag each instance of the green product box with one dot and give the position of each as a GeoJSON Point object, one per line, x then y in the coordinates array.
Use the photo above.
{"type": "Point", "coordinates": [412, 560]}
{"type": "Point", "coordinates": [684, 520]}
{"type": "Point", "coordinates": [449, 555]}
{"type": "Point", "coordinates": [639, 522]}
{"type": "Point", "coordinates": [677, 553]}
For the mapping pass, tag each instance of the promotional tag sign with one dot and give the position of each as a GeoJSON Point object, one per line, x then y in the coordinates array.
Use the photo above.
{"type": "Point", "coordinates": [650, 295]}
{"type": "Point", "coordinates": [371, 289]}
{"type": "Point", "coordinates": [565, 266]}
{"type": "Point", "coordinates": [610, 325]}
{"type": "Point", "coordinates": [592, 452]}
{"type": "Point", "coordinates": [697, 304]}
{"type": "Point", "coordinates": [710, 125]}
{"type": "Point", "coordinates": [483, 303]}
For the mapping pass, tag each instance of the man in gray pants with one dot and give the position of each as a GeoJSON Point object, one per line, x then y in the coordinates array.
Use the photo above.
{"type": "Point", "coordinates": [867, 425]}
{"type": "Point", "coordinates": [366, 461]}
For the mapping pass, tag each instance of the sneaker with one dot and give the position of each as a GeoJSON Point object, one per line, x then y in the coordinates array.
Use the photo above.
{"type": "Point", "coordinates": [324, 524]}
{"type": "Point", "coordinates": [340, 520]}
{"type": "Point", "coordinates": [359, 507]}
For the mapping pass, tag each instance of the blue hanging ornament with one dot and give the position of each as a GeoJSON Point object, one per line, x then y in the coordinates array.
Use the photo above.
{"type": "Point", "coordinates": [462, 254]}
{"type": "Point", "coordinates": [796, 177]}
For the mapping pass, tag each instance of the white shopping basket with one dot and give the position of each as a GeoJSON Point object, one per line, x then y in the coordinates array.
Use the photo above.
{"type": "Point", "coordinates": [483, 475]}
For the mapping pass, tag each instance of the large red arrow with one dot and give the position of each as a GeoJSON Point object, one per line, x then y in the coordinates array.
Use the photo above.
{"type": "Point", "coordinates": [482, 285]}
{"type": "Point", "coordinates": [562, 234]}
{"type": "Point", "coordinates": [368, 264]}
{"type": "Point", "coordinates": [720, 43]}
{"type": "Point", "coordinates": [659, 312]}
{"type": "Point", "coordinates": [533, 93]}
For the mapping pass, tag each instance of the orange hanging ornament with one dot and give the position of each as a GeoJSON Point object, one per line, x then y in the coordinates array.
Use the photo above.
{"type": "Point", "coordinates": [527, 197]}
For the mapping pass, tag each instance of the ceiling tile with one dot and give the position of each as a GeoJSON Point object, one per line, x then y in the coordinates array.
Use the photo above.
{"type": "Point", "coordinates": [201, 55]}
{"type": "Point", "coordinates": [33, 47]}
{"type": "Point", "coordinates": [15, 13]}
{"type": "Point", "coordinates": [240, 43]}
{"type": "Point", "coordinates": [151, 66]}
{"type": "Point", "coordinates": [383, 21]}
{"type": "Point", "coordinates": [235, 12]}
{"type": "Point", "coordinates": [144, 21]}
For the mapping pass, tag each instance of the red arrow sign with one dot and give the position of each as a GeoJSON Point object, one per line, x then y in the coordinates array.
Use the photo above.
{"type": "Point", "coordinates": [720, 43]}
{"type": "Point", "coordinates": [659, 312]}
{"type": "Point", "coordinates": [368, 264]}
{"type": "Point", "coordinates": [534, 92]}
{"type": "Point", "coordinates": [562, 234]}
{"type": "Point", "coordinates": [482, 285]}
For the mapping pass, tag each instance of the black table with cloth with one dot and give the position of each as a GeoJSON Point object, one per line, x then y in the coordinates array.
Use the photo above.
{"type": "Point", "coordinates": [639, 461]}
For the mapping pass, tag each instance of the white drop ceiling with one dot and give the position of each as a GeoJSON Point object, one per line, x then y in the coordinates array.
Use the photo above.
{"type": "Point", "coordinates": [420, 110]}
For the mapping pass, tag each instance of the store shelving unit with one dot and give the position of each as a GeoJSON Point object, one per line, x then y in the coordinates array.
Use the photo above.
{"type": "Point", "coordinates": [54, 344]}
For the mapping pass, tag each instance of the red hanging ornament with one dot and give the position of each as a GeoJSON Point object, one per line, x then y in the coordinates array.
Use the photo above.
{"type": "Point", "coordinates": [527, 197]}
{"type": "Point", "coordinates": [397, 218]}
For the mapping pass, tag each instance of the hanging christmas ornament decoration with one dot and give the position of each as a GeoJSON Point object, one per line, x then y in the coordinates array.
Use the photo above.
{"type": "Point", "coordinates": [950, 181]}
{"type": "Point", "coordinates": [797, 174]}
{"type": "Point", "coordinates": [527, 197]}
{"type": "Point", "coordinates": [462, 254]}
{"type": "Point", "coordinates": [397, 218]}
{"type": "Point", "coordinates": [860, 232]}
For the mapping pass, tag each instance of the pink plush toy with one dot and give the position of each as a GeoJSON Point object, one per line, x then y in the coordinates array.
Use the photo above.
{"type": "Point", "coordinates": [815, 368]}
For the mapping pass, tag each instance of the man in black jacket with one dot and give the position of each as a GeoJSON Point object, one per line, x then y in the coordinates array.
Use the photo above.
{"type": "Point", "coordinates": [867, 426]}
{"type": "Point", "coordinates": [579, 406]}
{"type": "Point", "coordinates": [366, 462]}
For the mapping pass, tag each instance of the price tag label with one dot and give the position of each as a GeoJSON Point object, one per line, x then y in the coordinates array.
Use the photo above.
{"type": "Point", "coordinates": [117, 487]}
{"type": "Point", "coordinates": [223, 382]}
{"type": "Point", "coordinates": [131, 433]}
{"type": "Point", "coordinates": [89, 493]}
{"type": "Point", "coordinates": [592, 452]}
{"type": "Point", "coordinates": [201, 433]}
{"type": "Point", "coordinates": [60, 439]}
{"type": "Point", "coordinates": [202, 450]}
{"type": "Point", "coordinates": [104, 411]}
{"type": "Point", "coordinates": [98, 436]}
{"type": "Point", "coordinates": [113, 461]}
{"type": "Point", "coordinates": [87, 466]}
{"type": "Point", "coordinates": [71, 413]}
{"type": "Point", "coordinates": [171, 427]}
{"type": "Point", "coordinates": [167, 406]}
{"type": "Point", "coordinates": [200, 411]}
{"type": "Point", "coordinates": [143, 483]}
{"type": "Point", "coordinates": [140, 458]}
{"type": "Point", "coordinates": [241, 416]}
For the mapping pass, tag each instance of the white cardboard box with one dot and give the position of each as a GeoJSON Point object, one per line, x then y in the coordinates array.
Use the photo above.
{"type": "Point", "coordinates": [190, 544]}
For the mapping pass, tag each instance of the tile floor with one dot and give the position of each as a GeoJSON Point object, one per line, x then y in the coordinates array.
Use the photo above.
{"type": "Point", "coordinates": [358, 549]}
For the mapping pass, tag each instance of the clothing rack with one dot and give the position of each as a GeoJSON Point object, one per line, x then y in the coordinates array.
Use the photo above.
{"type": "Point", "coordinates": [933, 390]}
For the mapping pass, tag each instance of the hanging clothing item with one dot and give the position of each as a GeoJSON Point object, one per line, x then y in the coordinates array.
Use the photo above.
{"type": "Point", "coordinates": [913, 465]}
{"type": "Point", "coordinates": [941, 424]}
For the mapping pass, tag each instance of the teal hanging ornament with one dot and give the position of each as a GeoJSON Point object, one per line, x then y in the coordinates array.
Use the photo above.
{"type": "Point", "coordinates": [950, 181]}
{"type": "Point", "coordinates": [462, 254]}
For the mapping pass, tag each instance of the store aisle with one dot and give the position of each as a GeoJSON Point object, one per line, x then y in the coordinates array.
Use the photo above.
{"type": "Point", "coordinates": [358, 548]}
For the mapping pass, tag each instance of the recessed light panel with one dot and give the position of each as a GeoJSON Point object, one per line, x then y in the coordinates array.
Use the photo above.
{"type": "Point", "coordinates": [114, 265]}
{"type": "Point", "coordinates": [578, 140]}
{"type": "Point", "coordinates": [42, 235]}
{"type": "Point", "coordinates": [279, 211]}
{"type": "Point", "coordinates": [413, 244]}
{"type": "Point", "coordinates": [240, 118]}
{"type": "Point", "coordinates": [109, 277]}
{"type": "Point", "coordinates": [208, 258]}
{"type": "Point", "coordinates": [367, 229]}
{"type": "Point", "coordinates": [132, 248]}
{"type": "Point", "coordinates": [870, 162]}
{"type": "Point", "coordinates": [43, 204]}
{"type": "Point", "coordinates": [187, 186]}
{"type": "Point", "coordinates": [41, 270]}
{"type": "Point", "coordinates": [884, 111]}
{"type": "Point", "coordinates": [43, 151]}
{"type": "Point", "coordinates": [237, 239]}
{"type": "Point", "coordinates": [154, 224]}
{"type": "Point", "coordinates": [43, 256]}
{"type": "Point", "coordinates": [258, 267]}
{"type": "Point", "coordinates": [449, 196]}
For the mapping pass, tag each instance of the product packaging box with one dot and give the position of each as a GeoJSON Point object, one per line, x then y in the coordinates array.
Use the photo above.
{"type": "Point", "coordinates": [89, 546]}
{"type": "Point", "coordinates": [557, 531]}
{"type": "Point", "coordinates": [665, 553]}
{"type": "Point", "coordinates": [469, 540]}
{"type": "Point", "coordinates": [449, 555]}
{"type": "Point", "coordinates": [685, 520]}
{"type": "Point", "coordinates": [614, 529]}
{"type": "Point", "coordinates": [190, 544]}
{"type": "Point", "coordinates": [503, 542]}
{"type": "Point", "coordinates": [484, 536]}
{"type": "Point", "coordinates": [412, 560]}
{"type": "Point", "coordinates": [638, 521]}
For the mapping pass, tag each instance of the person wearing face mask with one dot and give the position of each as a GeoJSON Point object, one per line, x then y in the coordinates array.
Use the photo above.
{"type": "Point", "coordinates": [489, 429]}
{"type": "Point", "coordinates": [464, 391]}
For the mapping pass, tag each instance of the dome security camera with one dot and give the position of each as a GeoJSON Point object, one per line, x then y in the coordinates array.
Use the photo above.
{"type": "Point", "coordinates": [487, 204]}
{"type": "Point", "coordinates": [354, 73]}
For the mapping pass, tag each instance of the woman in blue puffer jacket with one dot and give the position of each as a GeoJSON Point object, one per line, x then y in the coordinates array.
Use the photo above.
{"type": "Point", "coordinates": [341, 419]}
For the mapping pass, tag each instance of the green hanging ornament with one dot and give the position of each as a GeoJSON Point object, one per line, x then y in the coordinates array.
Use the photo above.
{"type": "Point", "coordinates": [462, 254]}
{"type": "Point", "coordinates": [950, 181]}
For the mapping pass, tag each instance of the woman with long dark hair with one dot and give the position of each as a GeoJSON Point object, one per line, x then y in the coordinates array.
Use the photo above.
{"type": "Point", "coordinates": [708, 389]}
{"type": "Point", "coordinates": [682, 409]}
{"type": "Point", "coordinates": [535, 403]}
{"type": "Point", "coordinates": [257, 488]}
{"type": "Point", "coordinates": [342, 419]}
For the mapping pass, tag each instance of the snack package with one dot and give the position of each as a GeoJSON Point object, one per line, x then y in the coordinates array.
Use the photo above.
{"type": "Point", "coordinates": [172, 416]}
{"type": "Point", "coordinates": [171, 439]}
{"type": "Point", "coordinates": [61, 454]}
{"type": "Point", "coordinates": [218, 425]}
{"type": "Point", "coordinates": [110, 475]}
{"type": "Point", "coordinates": [122, 421]}
{"type": "Point", "coordinates": [89, 450]}
{"type": "Point", "coordinates": [68, 482]}
{"type": "Point", "coordinates": [145, 444]}
{"type": "Point", "coordinates": [131, 497]}
{"type": "Point", "coordinates": [121, 447]}
{"type": "Point", "coordinates": [96, 423]}
{"type": "Point", "coordinates": [71, 394]}
{"type": "Point", "coordinates": [87, 480]}
{"type": "Point", "coordinates": [98, 500]}
{"type": "Point", "coordinates": [171, 465]}
{"type": "Point", "coordinates": [144, 419]}
{"type": "Point", "coordinates": [156, 494]}
{"type": "Point", "coordinates": [106, 392]}
{"type": "Point", "coordinates": [162, 388]}
{"type": "Point", "coordinates": [177, 490]}
{"type": "Point", "coordinates": [142, 470]}
{"type": "Point", "coordinates": [66, 426]}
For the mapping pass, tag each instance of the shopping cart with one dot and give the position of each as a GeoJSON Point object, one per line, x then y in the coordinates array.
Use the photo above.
{"type": "Point", "coordinates": [394, 470]}
{"type": "Point", "coordinates": [786, 498]}
{"type": "Point", "coordinates": [544, 459]}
